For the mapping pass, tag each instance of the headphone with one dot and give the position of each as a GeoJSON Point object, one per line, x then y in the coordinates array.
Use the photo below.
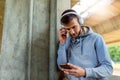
{"type": "Point", "coordinates": [81, 20]}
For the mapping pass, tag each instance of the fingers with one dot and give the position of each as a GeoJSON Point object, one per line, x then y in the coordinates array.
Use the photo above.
{"type": "Point", "coordinates": [76, 71]}
{"type": "Point", "coordinates": [69, 71]}
{"type": "Point", "coordinates": [62, 35]}
{"type": "Point", "coordinates": [66, 72]}
{"type": "Point", "coordinates": [72, 66]}
{"type": "Point", "coordinates": [62, 31]}
{"type": "Point", "coordinates": [72, 72]}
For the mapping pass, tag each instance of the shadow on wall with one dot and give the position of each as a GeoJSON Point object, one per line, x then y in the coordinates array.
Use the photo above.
{"type": "Point", "coordinates": [40, 56]}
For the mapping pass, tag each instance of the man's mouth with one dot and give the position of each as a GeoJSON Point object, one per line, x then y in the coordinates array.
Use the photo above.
{"type": "Point", "coordinates": [73, 35]}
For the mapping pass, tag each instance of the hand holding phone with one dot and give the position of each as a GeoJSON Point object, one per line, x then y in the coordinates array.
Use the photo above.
{"type": "Point", "coordinates": [64, 32]}
{"type": "Point", "coordinates": [62, 35]}
{"type": "Point", "coordinates": [65, 66]}
{"type": "Point", "coordinates": [74, 70]}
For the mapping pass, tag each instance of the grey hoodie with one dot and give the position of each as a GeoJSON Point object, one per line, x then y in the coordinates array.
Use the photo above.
{"type": "Point", "coordinates": [89, 53]}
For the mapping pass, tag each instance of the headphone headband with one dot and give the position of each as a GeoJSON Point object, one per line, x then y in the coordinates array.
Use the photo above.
{"type": "Point", "coordinates": [80, 19]}
{"type": "Point", "coordinates": [70, 13]}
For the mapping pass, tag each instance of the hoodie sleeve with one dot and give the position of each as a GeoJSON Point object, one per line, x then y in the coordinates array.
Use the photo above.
{"type": "Point", "coordinates": [61, 54]}
{"type": "Point", "coordinates": [62, 57]}
{"type": "Point", "coordinates": [104, 68]}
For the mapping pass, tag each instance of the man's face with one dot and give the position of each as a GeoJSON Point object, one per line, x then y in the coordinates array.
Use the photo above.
{"type": "Point", "coordinates": [73, 28]}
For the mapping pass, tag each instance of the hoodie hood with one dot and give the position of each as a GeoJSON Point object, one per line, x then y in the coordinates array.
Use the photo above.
{"type": "Point", "coordinates": [86, 30]}
{"type": "Point", "coordinates": [84, 33]}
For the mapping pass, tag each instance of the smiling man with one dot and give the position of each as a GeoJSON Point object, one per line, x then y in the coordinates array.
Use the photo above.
{"type": "Point", "coordinates": [82, 50]}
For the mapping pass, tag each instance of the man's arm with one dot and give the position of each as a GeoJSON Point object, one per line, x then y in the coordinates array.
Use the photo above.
{"type": "Point", "coordinates": [61, 59]}
{"type": "Point", "coordinates": [104, 69]}
{"type": "Point", "coordinates": [63, 46]}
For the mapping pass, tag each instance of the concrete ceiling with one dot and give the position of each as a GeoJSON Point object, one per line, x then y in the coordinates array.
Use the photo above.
{"type": "Point", "coordinates": [112, 38]}
{"type": "Point", "coordinates": [104, 14]}
{"type": "Point", "coordinates": [73, 2]}
{"type": "Point", "coordinates": [106, 22]}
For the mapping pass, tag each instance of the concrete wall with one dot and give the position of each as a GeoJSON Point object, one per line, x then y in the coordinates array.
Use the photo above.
{"type": "Point", "coordinates": [2, 6]}
{"type": "Point", "coordinates": [40, 40]}
{"type": "Point", "coordinates": [57, 7]}
{"type": "Point", "coordinates": [29, 39]}
{"type": "Point", "coordinates": [14, 45]}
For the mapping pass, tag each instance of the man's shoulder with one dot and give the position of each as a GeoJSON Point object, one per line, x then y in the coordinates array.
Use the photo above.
{"type": "Point", "coordinates": [95, 35]}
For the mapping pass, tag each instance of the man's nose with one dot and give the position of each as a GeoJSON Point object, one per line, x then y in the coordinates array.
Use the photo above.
{"type": "Point", "coordinates": [72, 31]}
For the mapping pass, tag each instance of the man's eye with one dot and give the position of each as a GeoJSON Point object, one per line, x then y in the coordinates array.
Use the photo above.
{"type": "Point", "coordinates": [73, 27]}
{"type": "Point", "coordinates": [68, 29]}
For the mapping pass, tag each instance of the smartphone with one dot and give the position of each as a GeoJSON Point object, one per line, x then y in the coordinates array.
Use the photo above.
{"type": "Point", "coordinates": [62, 26]}
{"type": "Point", "coordinates": [64, 33]}
{"type": "Point", "coordinates": [65, 66]}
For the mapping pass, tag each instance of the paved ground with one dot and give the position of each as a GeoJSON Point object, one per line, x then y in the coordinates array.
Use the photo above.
{"type": "Point", "coordinates": [116, 69]}
{"type": "Point", "coordinates": [114, 77]}
{"type": "Point", "coordinates": [116, 72]}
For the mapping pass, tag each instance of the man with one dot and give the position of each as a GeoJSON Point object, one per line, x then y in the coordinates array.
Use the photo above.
{"type": "Point", "coordinates": [82, 50]}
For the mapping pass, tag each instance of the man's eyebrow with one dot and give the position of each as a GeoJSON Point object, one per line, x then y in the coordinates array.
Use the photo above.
{"type": "Point", "coordinates": [73, 26]}
{"type": "Point", "coordinates": [70, 27]}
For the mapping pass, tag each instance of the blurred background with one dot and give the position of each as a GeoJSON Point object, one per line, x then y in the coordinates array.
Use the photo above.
{"type": "Point", "coordinates": [104, 17]}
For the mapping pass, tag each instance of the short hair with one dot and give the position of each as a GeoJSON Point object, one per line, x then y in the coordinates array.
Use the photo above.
{"type": "Point", "coordinates": [67, 18]}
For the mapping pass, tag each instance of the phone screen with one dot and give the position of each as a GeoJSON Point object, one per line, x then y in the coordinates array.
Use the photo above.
{"type": "Point", "coordinates": [62, 26]}
{"type": "Point", "coordinates": [64, 32]}
{"type": "Point", "coordinates": [65, 66]}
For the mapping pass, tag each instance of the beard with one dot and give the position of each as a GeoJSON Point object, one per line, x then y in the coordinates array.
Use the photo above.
{"type": "Point", "coordinates": [75, 35]}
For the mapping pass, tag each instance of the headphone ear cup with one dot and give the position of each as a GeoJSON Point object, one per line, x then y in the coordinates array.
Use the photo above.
{"type": "Point", "coordinates": [81, 20]}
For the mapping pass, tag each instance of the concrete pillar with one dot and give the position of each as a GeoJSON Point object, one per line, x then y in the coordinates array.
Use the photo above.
{"type": "Point", "coordinates": [61, 6]}
{"type": "Point", "coordinates": [57, 7]}
{"type": "Point", "coordinates": [14, 40]}
{"type": "Point", "coordinates": [40, 40]}
{"type": "Point", "coordinates": [29, 39]}
{"type": "Point", "coordinates": [2, 6]}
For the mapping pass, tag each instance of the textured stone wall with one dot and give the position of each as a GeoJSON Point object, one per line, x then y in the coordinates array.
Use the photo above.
{"type": "Point", "coordinates": [40, 40]}
{"type": "Point", "coordinates": [14, 41]}
{"type": "Point", "coordinates": [29, 35]}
